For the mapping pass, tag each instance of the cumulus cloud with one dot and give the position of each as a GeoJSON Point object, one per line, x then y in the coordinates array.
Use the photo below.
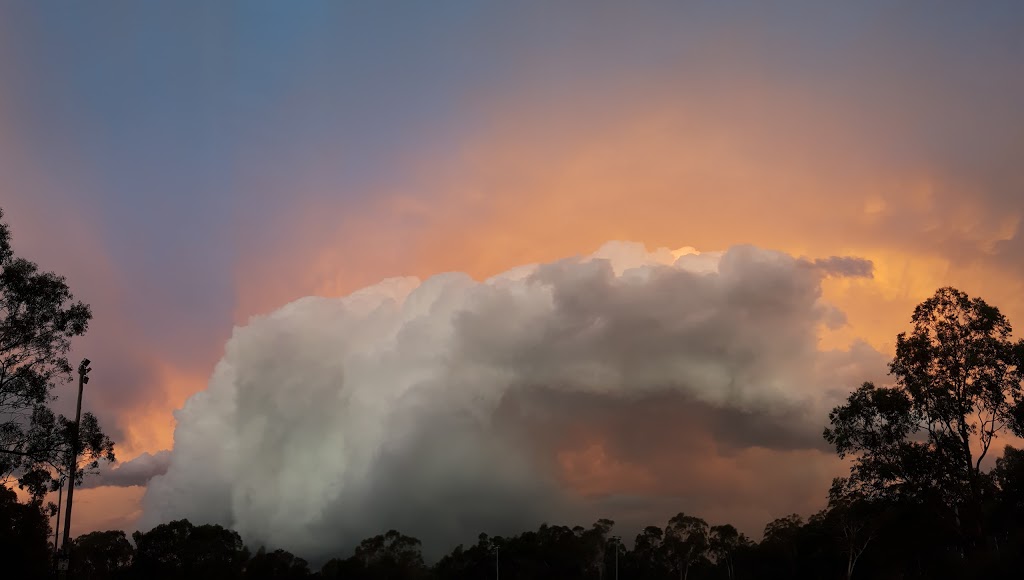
{"type": "Point", "coordinates": [608, 385]}
{"type": "Point", "coordinates": [132, 473]}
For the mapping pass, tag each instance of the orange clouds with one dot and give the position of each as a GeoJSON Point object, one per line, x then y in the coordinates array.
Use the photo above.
{"type": "Point", "coordinates": [149, 427]}
{"type": "Point", "coordinates": [762, 166]}
{"type": "Point", "coordinates": [590, 471]}
{"type": "Point", "coordinates": [689, 470]}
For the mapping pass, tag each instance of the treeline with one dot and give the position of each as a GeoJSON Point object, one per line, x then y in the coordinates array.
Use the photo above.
{"type": "Point", "coordinates": [863, 539]}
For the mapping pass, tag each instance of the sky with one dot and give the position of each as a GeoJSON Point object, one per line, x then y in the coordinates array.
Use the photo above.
{"type": "Point", "coordinates": [189, 166]}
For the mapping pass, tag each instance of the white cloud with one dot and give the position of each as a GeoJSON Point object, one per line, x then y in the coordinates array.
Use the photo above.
{"type": "Point", "coordinates": [440, 407]}
{"type": "Point", "coordinates": [132, 473]}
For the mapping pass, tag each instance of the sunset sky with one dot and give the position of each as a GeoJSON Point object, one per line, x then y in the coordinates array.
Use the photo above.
{"type": "Point", "coordinates": [190, 165]}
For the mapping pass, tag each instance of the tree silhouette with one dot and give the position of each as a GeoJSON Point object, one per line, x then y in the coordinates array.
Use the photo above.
{"type": "Point", "coordinates": [958, 387]}
{"type": "Point", "coordinates": [101, 556]}
{"type": "Point", "coordinates": [595, 545]}
{"type": "Point", "coordinates": [276, 565]}
{"type": "Point", "coordinates": [477, 561]}
{"type": "Point", "coordinates": [38, 319]}
{"type": "Point", "coordinates": [24, 530]}
{"type": "Point", "coordinates": [180, 550]}
{"type": "Point", "coordinates": [782, 540]}
{"type": "Point", "coordinates": [854, 519]}
{"type": "Point", "coordinates": [648, 557]}
{"type": "Point", "coordinates": [726, 543]}
{"type": "Point", "coordinates": [687, 540]}
{"type": "Point", "coordinates": [1007, 507]}
{"type": "Point", "coordinates": [389, 555]}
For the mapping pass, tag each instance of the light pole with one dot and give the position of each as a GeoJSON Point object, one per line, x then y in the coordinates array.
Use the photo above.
{"type": "Point", "coordinates": [617, 541]}
{"type": "Point", "coordinates": [497, 566]}
{"type": "Point", "coordinates": [56, 527]}
{"type": "Point", "coordinates": [83, 379]}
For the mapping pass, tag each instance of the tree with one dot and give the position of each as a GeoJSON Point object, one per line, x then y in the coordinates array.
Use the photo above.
{"type": "Point", "coordinates": [1009, 479]}
{"type": "Point", "coordinates": [101, 555]}
{"type": "Point", "coordinates": [725, 542]}
{"type": "Point", "coordinates": [38, 319]}
{"type": "Point", "coordinates": [52, 437]}
{"type": "Point", "coordinates": [957, 388]}
{"type": "Point", "coordinates": [782, 536]}
{"type": "Point", "coordinates": [1007, 513]}
{"type": "Point", "coordinates": [276, 565]}
{"type": "Point", "coordinates": [477, 561]}
{"type": "Point", "coordinates": [855, 520]}
{"type": "Point", "coordinates": [686, 541]}
{"type": "Point", "coordinates": [213, 551]}
{"type": "Point", "coordinates": [595, 541]}
{"type": "Point", "coordinates": [648, 552]}
{"type": "Point", "coordinates": [159, 552]}
{"type": "Point", "coordinates": [390, 555]}
{"type": "Point", "coordinates": [180, 550]}
{"type": "Point", "coordinates": [24, 530]}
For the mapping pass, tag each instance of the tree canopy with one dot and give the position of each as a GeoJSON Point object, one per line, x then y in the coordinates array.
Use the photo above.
{"type": "Point", "coordinates": [957, 388]}
{"type": "Point", "coordinates": [38, 319]}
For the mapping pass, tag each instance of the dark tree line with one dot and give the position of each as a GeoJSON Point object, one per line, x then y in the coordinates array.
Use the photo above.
{"type": "Point", "coordinates": [919, 501]}
{"type": "Point", "coordinates": [849, 538]}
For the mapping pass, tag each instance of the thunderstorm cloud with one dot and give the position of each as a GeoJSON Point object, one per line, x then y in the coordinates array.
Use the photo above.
{"type": "Point", "coordinates": [628, 383]}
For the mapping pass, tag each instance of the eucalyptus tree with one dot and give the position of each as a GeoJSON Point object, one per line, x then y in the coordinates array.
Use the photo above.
{"type": "Point", "coordinates": [957, 389]}
{"type": "Point", "coordinates": [38, 319]}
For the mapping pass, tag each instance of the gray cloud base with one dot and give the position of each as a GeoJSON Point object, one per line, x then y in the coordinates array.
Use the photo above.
{"type": "Point", "coordinates": [136, 472]}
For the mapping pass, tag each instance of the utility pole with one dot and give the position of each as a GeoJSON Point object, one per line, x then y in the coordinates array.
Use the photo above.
{"type": "Point", "coordinates": [63, 564]}
{"type": "Point", "coordinates": [497, 565]}
{"type": "Point", "coordinates": [56, 528]}
{"type": "Point", "coordinates": [617, 540]}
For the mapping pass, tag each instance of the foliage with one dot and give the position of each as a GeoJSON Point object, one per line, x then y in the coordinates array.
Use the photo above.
{"type": "Point", "coordinates": [101, 556]}
{"type": "Point", "coordinates": [276, 565]}
{"type": "Point", "coordinates": [687, 541]}
{"type": "Point", "coordinates": [726, 543]}
{"type": "Point", "coordinates": [180, 550]}
{"type": "Point", "coordinates": [23, 537]}
{"type": "Point", "coordinates": [782, 542]}
{"type": "Point", "coordinates": [957, 388]}
{"type": "Point", "coordinates": [649, 553]}
{"type": "Point", "coordinates": [38, 319]}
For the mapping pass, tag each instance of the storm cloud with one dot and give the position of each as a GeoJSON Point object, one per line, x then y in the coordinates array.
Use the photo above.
{"type": "Point", "coordinates": [136, 472]}
{"type": "Point", "coordinates": [615, 384]}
